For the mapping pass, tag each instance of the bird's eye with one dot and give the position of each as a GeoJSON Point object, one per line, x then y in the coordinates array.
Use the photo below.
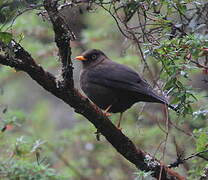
{"type": "Point", "coordinates": [94, 56]}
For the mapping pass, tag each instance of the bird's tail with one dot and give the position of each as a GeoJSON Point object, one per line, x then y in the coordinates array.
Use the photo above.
{"type": "Point", "coordinates": [161, 99]}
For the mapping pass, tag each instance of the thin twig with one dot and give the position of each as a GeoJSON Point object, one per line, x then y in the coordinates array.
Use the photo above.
{"type": "Point", "coordinates": [181, 161]}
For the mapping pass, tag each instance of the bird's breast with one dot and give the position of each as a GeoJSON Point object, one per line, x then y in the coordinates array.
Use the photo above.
{"type": "Point", "coordinates": [104, 96]}
{"type": "Point", "coordinates": [101, 96]}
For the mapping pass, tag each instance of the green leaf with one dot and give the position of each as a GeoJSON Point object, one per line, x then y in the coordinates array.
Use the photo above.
{"type": "Point", "coordinates": [5, 37]}
{"type": "Point", "coordinates": [175, 100]}
{"type": "Point", "coordinates": [170, 84]}
{"type": "Point", "coordinates": [202, 140]}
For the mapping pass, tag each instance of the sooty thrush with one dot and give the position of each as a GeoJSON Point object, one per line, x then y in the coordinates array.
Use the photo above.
{"type": "Point", "coordinates": [111, 86]}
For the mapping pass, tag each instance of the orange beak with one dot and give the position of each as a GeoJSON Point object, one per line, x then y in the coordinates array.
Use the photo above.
{"type": "Point", "coordinates": [81, 58]}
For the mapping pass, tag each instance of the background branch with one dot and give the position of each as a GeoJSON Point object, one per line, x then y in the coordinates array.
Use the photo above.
{"type": "Point", "coordinates": [181, 160]}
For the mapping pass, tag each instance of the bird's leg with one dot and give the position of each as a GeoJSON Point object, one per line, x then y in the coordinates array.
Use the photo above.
{"type": "Point", "coordinates": [106, 111]}
{"type": "Point", "coordinates": [119, 122]}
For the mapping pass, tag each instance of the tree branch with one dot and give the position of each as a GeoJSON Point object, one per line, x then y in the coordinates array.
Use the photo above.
{"type": "Point", "coordinates": [63, 35]}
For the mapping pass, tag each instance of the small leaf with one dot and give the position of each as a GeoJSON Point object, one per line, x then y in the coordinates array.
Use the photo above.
{"type": "Point", "coordinates": [170, 83]}
{"type": "Point", "coordinates": [5, 37]}
{"type": "Point", "coordinates": [175, 100]}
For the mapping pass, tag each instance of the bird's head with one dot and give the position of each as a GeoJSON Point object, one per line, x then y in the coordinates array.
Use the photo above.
{"type": "Point", "coordinates": [92, 56]}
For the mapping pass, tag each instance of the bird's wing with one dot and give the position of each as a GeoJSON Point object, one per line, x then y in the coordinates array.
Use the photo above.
{"type": "Point", "coordinates": [118, 76]}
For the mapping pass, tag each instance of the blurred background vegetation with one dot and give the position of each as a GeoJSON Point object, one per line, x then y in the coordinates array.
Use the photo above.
{"type": "Point", "coordinates": [42, 138]}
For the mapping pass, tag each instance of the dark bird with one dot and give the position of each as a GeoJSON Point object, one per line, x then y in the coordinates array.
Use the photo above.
{"type": "Point", "coordinates": [111, 86]}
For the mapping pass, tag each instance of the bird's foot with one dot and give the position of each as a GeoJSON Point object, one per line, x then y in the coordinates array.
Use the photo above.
{"type": "Point", "coordinates": [119, 128]}
{"type": "Point", "coordinates": [106, 113]}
